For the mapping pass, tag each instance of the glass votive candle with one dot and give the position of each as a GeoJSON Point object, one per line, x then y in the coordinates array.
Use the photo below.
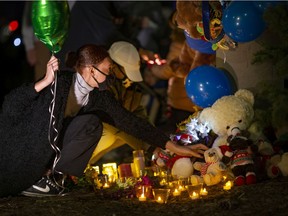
{"type": "Point", "coordinates": [194, 190]}
{"type": "Point", "coordinates": [183, 181]}
{"type": "Point", "coordinates": [203, 192]}
{"type": "Point", "coordinates": [143, 192]}
{"type": "Point", "coordinates": [176, 192]}
{"type": "Point", "coordinates": [161, 195]}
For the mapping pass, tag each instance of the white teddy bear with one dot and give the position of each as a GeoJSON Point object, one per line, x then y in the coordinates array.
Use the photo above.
{"type": "Point", "coordinates": [229, 115]}
{"type": "Point", "coordinates": [179, 166]}
{"type": "Point", "coordinates": [211, 170]}
{"type": "Point", "coordinates": [278, 166]}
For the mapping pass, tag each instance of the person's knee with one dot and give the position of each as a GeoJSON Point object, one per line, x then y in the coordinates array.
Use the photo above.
{"type": "Point", "coordinates": [93, 124]}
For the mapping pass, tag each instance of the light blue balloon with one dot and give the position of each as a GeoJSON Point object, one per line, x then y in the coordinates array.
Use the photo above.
{"type": "Point", "coordinates": [205, 84]}
{"type": "Point", "coordinates": [242, 21]}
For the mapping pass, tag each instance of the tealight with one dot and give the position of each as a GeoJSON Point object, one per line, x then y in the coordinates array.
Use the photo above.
{"type": "Point", "coordinates": [203, 192]}
{"type": "Point", "coordinates": [106, 185]}
{"type": "Point", "coordinates": [194, 196]}
{"type": "Point", "coordinates": [159, 200]}
{"type": "Point", "coordinates": [142, 198]}
{"type": "Point", "coordinates": [161, 195]}
{"type": "Point", "coordinates": [176, 192]}
{"type": "Point", "coordinates": [227, 186]}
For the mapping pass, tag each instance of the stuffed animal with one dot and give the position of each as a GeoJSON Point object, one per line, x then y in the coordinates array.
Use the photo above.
{"type": "Point", "coordinates": [195, 51]}
{"type": "Point", "coordinates": [229, 114]}
{"type": "Point", "coordinates": [278, 163]}
{"type": "Point", "coordinates": [189, 17]}
{"type": "Point", "coordinates": [211, 170]}
{"type": "Point", "coordinates": [278, 166]}
{"type": "Point", "coordinates": [178, 166]}
{"type": "Point", "coordinates": [239, 154]}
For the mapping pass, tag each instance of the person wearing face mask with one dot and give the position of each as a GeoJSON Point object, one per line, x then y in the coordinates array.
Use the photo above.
{"type": "Point", "coordinates": [54, 123]}
{"type": "Point", "coordinates": [126, 88]}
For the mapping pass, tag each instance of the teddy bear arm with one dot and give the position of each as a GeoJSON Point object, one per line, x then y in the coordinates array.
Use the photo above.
{"type": "Point", "coordinates": [226, 159]}
{"type": "Point", "coordinates": [198, 165]}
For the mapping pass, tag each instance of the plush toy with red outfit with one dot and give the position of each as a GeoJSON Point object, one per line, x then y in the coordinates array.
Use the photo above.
{"type": "Point", "coordinates": [178, 166]}
{"type": "Point", "coordinates": [238, 153]}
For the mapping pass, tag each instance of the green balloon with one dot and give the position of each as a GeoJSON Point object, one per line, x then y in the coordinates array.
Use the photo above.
{"type": "Point", "coordinates": [50, 20]}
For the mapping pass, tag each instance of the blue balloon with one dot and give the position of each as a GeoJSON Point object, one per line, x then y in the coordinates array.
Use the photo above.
{"type": "Point", "coordinates": [205, 84]}
{"type": "Point", "coordinates": [242, 21]}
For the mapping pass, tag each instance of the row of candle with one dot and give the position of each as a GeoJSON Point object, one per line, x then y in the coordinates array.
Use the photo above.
{"type": "Point", "coordinates": [161, 195]}
{"type": "Point", "coordinates": [176, 187]}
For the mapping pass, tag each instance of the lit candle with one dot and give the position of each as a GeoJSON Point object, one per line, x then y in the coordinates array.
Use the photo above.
{"type": "Point", "coordinates": [159, 200]}
{"type": "Point", "coordinates": [142, 197]}
{"type": "Point", "coordinates": [181, 188]}
{"type": "Point", "coordinates": [194, 195]}
{"type": "Point", "coordinates": [106, 185]}
{"type": "Point", "coordinates": [203, 192]}
{"type": "Point", "coordinates": [227, 186]}
{"type": "Point", "coordinates": [176, 192]}
{"type": "Point", "coordinates": [163, 182]}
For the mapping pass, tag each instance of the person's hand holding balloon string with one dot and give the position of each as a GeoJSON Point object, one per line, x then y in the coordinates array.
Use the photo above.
{"type": "Point", "coordinates": [50, 20]}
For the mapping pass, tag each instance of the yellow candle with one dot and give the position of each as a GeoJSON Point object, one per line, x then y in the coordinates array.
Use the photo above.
{"type": "Point", "coordinates": [159, 200]}
{"type": "Point", "coordinates": [203, 192]}
{"type": "Point", "coordinates": [176, 192]}
{"type": "Point", "coordinates": [195, 195]}
{"type": "Point", "coordinates": [227, 186]}
{"type": "Point", "coordinates": [142, 197]}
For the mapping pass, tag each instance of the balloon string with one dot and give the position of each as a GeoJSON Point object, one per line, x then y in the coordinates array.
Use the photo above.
{"type": "Point", "coordinates": [52, 129]}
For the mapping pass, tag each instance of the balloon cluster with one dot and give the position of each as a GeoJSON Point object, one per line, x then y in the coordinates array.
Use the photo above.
{"type": "Point", "coordinates": [236, 21]}
{"type": "Point", "coordinates": [241, 21]}
{"type": "Point", "coordinates": [50, 20]}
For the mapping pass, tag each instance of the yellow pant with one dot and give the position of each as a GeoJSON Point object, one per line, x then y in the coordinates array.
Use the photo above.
{"type": "Point", "coordinates": [113, 138]}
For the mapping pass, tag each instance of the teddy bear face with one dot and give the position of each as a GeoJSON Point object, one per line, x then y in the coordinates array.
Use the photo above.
{"type": "Point", "coordinates": [211, 155]}
{"type": "Point", "coordinates": [230, 112]}
{"type": "Point", "coordinates": [188, 16]}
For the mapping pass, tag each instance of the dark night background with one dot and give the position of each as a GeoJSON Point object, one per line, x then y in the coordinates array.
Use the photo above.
{"type": "Point", "coordinates": [14, 67]}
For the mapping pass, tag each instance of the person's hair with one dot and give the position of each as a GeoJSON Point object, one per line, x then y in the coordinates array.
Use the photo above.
{"type": "Point", "coordinates": [89, 54]}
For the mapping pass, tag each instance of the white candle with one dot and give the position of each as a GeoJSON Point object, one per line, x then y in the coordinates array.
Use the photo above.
{"type": "Point", "coordinates": [142, 197]}
{"type": "Point", "coordinates": [106, 185]}
{"type": "Point", "coordinates": [159, 200]}
{"type": "Point", "coordinates": [203, 192]}
{"type": "Point", "coordinates": [181, 188]}
{"type": "Point", "coordinates": [176, 192]}
{"type": "Point", "coordinates": [194, 195]}
{"type": "Point", "coordinates": [163, 182]}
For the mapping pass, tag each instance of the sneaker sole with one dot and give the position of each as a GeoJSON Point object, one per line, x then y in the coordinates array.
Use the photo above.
{"type": "Point", "coordinates": [31, 194]}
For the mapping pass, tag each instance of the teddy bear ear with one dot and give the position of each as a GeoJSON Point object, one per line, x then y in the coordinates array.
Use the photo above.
{"type": "Point", "coordinates": [245, 95]}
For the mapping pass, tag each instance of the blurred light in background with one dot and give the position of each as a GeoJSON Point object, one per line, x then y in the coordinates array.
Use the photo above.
{"type": "Point", "coordinates": [13, 25]}
{"type": "Point", "coordinates": [17, 42]}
